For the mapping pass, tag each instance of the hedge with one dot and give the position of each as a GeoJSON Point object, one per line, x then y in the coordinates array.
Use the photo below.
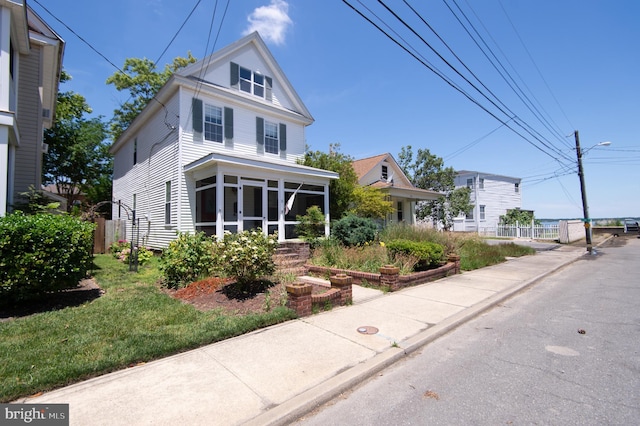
{"type": "Point", "coordinates": [429, 254]}
{"type": "Point", "coordinates": [42, 253]}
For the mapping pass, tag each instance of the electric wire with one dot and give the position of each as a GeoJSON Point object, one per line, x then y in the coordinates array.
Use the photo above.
{"type": "Point", "coordinates": [519, 93]}
{"type": "Point", "coordinates": [537, 69]}
{"type": "Point", "coordinates": [448, 81]}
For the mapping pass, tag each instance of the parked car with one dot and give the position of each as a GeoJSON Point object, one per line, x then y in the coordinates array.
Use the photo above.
{"type": "Point", "coordinates": [631, 226]}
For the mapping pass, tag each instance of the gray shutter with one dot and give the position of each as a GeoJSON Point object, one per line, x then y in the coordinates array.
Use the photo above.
{"type": "Point", "coordinates": [228, 125]}
{"type": "Point", "coordinates": [235, 75]}
{"type": "Point", "coordinates": [283, 137]}
{"type": "Point", "coordinates": [260, 134]}
{"type": "Point", "coordinates": [269, 86]}
{"type": "Point", "coordinates": [196, 106]}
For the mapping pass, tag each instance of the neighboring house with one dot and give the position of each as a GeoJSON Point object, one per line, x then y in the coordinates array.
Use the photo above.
{"type": "Point", "coordinates": [216, 151]}
{"type": "Point", "coordinates": [30, 66]}
{"type": "Point", "coordinates": [491, 197]}
{"type": "Point", "coordinates": [383, 172]}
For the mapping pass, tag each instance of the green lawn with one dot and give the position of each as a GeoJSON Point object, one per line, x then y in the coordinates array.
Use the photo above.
{"type": "Point", "coordinates": [132, 322]}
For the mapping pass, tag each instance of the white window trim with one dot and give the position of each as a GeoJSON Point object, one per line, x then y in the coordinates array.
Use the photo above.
{"type": "Point", "coordinates": [205, 122]}
{"type": "Point", "coordinates": [276, 126]}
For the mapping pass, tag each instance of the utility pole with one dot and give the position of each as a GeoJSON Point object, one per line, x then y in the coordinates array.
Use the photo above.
{"type": "Point", "coordinates": [585, 207]}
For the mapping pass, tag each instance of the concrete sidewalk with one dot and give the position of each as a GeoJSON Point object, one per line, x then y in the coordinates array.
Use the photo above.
{"type": "Point", "coordinates": [277, 374]}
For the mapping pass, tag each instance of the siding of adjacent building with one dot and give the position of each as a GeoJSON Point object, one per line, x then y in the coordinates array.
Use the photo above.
{"type": "Point", "coordinates": [28, 156]}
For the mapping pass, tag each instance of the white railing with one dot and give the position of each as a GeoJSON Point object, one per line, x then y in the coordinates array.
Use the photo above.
{"type": "Point", "coordinates": [531, 231]}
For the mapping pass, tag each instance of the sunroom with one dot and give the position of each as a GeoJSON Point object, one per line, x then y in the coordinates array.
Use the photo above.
{"type": "Point", "coordinates": [235, 194]}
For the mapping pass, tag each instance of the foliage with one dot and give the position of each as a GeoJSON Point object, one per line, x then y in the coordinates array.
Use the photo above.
{"type": "Point", "coordinates": [140, 78]}
{"type": "Point", "coordinates": [34, 201]}
{"type": "Point", "coordinates": [475, 253]}
{"type": "Point", "coordinates": [78, 160]}
{"type": "Point", "coordinates": [428, 172]}
{"type": "Point", "coordinates": [247, 255]}
{"type": "Point", "coordinates": [370, 202]}
{"type": "Point", "coordinates": [310, 227]}
{"type": "Point", "coordinates": [514, 216]}
{"type": "Point", "coordinates": [353, 230]}
{"type": "Point", "coordinates": [340, 190]}
{"type": "Point", "coordinates": [186, 259]}
{"type": "Point", "coordinates": [132, 322]}
{"type": "Point", "coordinates": [428, 254]}
{"type": "Point", "coordinates": [121, 250]}
{"type": "Point", "coordinates": [41, 253]}
{"type": "Point", "coordinates": [367, 258]}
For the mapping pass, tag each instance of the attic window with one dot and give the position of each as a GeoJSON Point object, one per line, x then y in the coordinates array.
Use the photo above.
{"type": "Point", "coordinates": [251, 82]}
{"type": "Point", "coordinates": [385, 173]}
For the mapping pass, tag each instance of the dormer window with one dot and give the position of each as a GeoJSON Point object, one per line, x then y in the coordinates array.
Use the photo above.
{"type": "Point", "coordinates": [251, 82]}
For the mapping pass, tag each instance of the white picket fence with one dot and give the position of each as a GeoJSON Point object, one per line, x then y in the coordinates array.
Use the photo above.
{"type": "Point", "coordinates": [531, 231]}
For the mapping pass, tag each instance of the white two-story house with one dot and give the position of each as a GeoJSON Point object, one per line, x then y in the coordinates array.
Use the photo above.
{"type": "Point", "coordinates": [30, 66]}
{"type": "Point", "coordinates": [491, 197]}
{"type": "Point", "coordinates": [383, 172]}
{"type": "Point", "coordinates": [216, 151]}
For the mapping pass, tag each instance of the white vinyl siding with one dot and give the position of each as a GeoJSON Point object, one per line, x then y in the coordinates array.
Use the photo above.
{"type": "Point", "coordinates": [494, 193]}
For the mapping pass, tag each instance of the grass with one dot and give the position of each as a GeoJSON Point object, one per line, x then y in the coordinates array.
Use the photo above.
{"type": "Point", "coordinates": [133, 322]}
{"type": "Point", "coordinates": [474, 252]}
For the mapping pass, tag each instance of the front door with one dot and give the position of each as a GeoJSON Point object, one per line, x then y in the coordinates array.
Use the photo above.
{"type": "Point", "coordinates": [253, 202]}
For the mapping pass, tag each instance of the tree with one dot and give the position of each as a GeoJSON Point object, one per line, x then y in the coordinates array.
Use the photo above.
{"type": "Point", "coordinates": [77, 160]}
{"type": "Point", "coordinates": [370, 202]}
{"type": "Point", "coordinates": [514, 216]}
{"type": "Point", "coordinates": [340, 190]}
{"type": "Point", "coordinates": [140, 78]}
{"type": "Point", "coordinates": [427, 171]}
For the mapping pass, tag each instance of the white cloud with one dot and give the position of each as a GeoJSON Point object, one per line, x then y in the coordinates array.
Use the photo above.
{"type": "Point", "coordinates": [270, 21]}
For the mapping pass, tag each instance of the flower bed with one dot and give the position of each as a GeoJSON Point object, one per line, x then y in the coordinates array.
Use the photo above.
{"type": "Point", "coordinates": [394, 281]}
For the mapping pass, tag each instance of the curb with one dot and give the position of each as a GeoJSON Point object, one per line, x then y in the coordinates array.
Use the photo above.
{"type": "Point", "coordinates": [295, 408]}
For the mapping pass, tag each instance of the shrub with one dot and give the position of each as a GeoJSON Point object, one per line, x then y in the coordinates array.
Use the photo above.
{"type": "Point", "coordinates": [41, 253]}
{"type": "Point", "coordinates": [428, 254]}
{"type": "Point", "coordinates": [311, 226]}
{"type": "Point", "coordinates": [247, 255]}
{"type": "Point", "coordinates": [121, 250]}
{"type": "Point", "coordinates": [353, 230]}
{"type": "Point", "coordinates": [186, 259]}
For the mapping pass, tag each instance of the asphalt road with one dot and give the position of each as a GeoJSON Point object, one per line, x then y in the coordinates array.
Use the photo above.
{"type": "Point", "coordinates": [564, 352]}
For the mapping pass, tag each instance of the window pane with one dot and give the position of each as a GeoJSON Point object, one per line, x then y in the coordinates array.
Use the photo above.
{"type": "Point", "coordinates": [258, 78]}
{"type": "Point", "coordinates": [206, 182]}
{"type": "Point", "coordinates": [206, 205]}
{"type": "Point", "coordinates": [212, 123]}
{"type": "Point", "coordinates": [258, 91]}
{"type": "Point", "coordinates": [272, 202]}
{"type": "Point", "coordinates": [245, 74]}
{"type": "Point", "coordinates": [245, 86]}
{"type": "Point", "coordinates": [270, 137]}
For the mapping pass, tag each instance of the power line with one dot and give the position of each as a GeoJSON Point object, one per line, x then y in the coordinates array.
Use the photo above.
{"type": "Point", "coordinates": [452, 84]}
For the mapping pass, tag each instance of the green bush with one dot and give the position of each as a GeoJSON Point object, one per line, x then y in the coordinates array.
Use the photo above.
{"type": "Point", "coordinates": [248, 255]}
{"type": "Point", "coordinates": [311, 226]}
{"type": "Point", "coordinates": [428, 254]}
{"type": "Point", "coordinates": [41, 253]}
{"type": "Point", "coordinates": [353, 230]}
{"type": "Point", "coordinates": [186, 259]}
{"type": "Point", "coordinates": [121, 250]}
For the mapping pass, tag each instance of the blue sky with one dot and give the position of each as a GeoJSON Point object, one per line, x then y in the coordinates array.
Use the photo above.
{"type": "Point", "coordinates": [574, 62]}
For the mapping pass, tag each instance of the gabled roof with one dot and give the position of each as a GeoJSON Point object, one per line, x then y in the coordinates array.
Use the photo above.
{"type": "Point", "coordinates": [199, 68]}
{"type": "Point", "coordinates": [397, 183]}
{"type": "Point", "coordinates": [191, 77]}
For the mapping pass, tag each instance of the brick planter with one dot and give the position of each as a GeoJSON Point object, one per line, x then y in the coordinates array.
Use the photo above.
{"type": "Point", "coordinates": [389, 276]}
{"type": "Point", "coordinates": [343, 283]}
{"type": "Point", "coordinates": [299, 298]}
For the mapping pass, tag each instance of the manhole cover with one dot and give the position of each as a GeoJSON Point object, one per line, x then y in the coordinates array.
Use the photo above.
{"type": "Point", "coordinates": [367, 329]}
